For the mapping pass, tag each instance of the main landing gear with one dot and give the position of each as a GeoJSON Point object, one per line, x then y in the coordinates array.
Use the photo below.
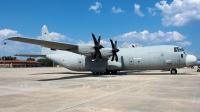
{"type": "Point", "coordinates": [105, 73]}
{"type": "Point", "coordinates": [98, 73]}
{"type": "Point", "coordinates": [173, 71]}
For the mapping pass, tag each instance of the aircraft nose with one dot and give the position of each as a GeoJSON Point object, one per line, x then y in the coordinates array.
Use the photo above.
{"type": "Point", "coordinates": [190, 60]}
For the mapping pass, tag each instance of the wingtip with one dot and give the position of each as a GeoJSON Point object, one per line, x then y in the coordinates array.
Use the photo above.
{"type": "Point", "coordinates": [7, 38]}
{"type": "Point", "coordinates": [11, 38]}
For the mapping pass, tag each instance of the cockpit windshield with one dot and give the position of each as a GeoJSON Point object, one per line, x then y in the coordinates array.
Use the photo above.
{"type": "Point", "coordinates": [182, 49]}
{"type": "Point", "coordinates": [178, 49]}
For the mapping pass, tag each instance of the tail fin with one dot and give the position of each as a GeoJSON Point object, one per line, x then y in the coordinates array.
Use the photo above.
{"type": "Point", "coordinates": [45, 33]}
{"type": "Point", "coordinates": [46, 36]}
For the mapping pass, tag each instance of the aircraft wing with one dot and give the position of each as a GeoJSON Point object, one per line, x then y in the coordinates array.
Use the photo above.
{"type": "Point", "coordinates": [31, 55]}
{"type": "Point", "coordinates": [49, 44]}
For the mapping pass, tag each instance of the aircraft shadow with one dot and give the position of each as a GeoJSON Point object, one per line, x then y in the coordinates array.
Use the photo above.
{"type": "Point", "coordinates": [159, 74]}
{"type": "Point", "coordinates": [67, 77]}
{"type": "Point", "coordinates": [85, 75]}
{"type": "Point", "coordinates": [58, 73]}
{"type": "Point", "coordinates": [81, 75]}
{"type": "Point", "coordinates": [152, 73]}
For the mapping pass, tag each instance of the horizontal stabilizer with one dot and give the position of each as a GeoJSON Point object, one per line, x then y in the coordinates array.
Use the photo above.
{"type": "Point", "coordinates": [30, 55]}
{"type": "Point", "coordinates": [44, 43]}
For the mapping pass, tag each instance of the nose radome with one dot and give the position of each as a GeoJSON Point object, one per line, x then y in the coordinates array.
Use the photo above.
{"type": "Point", "coordinates": [190, 60]}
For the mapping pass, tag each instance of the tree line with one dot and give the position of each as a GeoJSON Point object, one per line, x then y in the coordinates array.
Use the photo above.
{"type": "Point", "coordinates": [8, 58]}
{"type": "Point", "coordinates": [44, 61]}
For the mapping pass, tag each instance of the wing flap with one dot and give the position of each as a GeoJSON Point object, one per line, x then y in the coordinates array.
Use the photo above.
{"type": "Point", "coordinates": [49, 44]}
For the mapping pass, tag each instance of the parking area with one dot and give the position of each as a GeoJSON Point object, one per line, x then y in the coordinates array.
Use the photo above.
{"type": "Point", "coordinates": [62, 90]}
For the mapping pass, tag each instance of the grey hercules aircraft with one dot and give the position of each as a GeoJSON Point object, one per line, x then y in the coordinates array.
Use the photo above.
{"type": "Point", "coordinates": [100, 60]}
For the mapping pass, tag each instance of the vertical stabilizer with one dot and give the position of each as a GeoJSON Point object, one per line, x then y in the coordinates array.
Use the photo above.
{"type": "Point", "coordinates": [45, 33]}
{"type": "Point", "coordinates": [46, 36]}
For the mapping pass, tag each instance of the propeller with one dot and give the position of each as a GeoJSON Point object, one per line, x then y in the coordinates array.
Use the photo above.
{"type": "Point", "coordinates": [114, 50]}
{"type": "Point", "coordinates": [97, 46]}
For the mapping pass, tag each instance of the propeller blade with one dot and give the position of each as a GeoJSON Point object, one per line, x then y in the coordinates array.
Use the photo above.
{"type": "Point", "coordinates": [113, 46]}
{"type": "Point", "coordinates": [112, 57]}
{"type": "Point", "coordinates": [116, 57]}
{"type": "Point", "coordinates": [97, 46]}
{"type": "Point", "coordinates": [114, 50]}
{"type": "Point", "coordinates": [95, 40]}
{"type": "Point", "coordinates": [95, 55]}
{"type": "Point", "coordinates": [99, 53]}
{"type": "Point", "coordinates": [99, 39]}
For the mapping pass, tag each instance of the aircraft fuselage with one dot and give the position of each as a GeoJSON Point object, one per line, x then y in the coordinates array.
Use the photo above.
{"type": "Point", "coordinates": [139, 58]}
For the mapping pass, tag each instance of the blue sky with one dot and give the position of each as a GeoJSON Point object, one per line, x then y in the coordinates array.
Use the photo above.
{"type": "Point", "coordinates": [147, 22]}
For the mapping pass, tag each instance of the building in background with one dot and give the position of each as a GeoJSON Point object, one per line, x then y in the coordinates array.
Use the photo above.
{"type": "Point", "coordinates": [19, 63]}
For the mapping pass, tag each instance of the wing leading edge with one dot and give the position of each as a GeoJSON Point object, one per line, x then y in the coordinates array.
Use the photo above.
{"type": "Point", "coordinates": [30, 55]}
{"type": "Point", "coordinates": [44, 43]}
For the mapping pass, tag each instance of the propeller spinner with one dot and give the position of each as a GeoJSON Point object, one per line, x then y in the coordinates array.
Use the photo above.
{"type": "Point", "coordinates": [97, 47]}
{"type": "Point", "coordinates": [114, 50]}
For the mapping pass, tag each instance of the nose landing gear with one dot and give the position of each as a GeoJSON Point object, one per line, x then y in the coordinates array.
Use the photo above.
{"type": "Point", "coordinates": [173, 71]}
{"type": "Point", "coordinates": [198, 69]}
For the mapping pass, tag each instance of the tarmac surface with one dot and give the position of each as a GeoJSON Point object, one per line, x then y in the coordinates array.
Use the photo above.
{"type": "Point", "coordinates": [62, 90]}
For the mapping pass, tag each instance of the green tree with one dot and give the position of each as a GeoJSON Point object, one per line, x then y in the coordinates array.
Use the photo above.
{"type": "Point", "coordinates": [30, 59]}
{"type": "Point", "coordinates": [8, 58]}
{"type": "Point", "coordinates": [45, 62]}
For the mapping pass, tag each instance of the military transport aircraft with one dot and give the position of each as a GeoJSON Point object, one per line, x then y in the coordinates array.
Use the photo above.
{"type": "Point", "coordinates": [100, 60]}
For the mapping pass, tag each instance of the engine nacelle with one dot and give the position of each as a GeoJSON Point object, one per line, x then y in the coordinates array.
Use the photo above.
{"type": "Point", "coordinates": [84, 49]}
{"type": "Point", "coordinates": [89, 49]}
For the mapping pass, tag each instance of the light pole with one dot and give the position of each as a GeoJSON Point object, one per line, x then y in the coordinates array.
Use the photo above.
{"type": "Point", "coordinates": [4, 53]}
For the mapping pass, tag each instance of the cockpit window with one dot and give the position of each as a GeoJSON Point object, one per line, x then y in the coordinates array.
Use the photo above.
{"type": "Point", "coordinates": [178, 49]}
{"type": "Point", "coordinates": [175, 49]}
{"type": "Point", "coordinates": [182, 49]}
